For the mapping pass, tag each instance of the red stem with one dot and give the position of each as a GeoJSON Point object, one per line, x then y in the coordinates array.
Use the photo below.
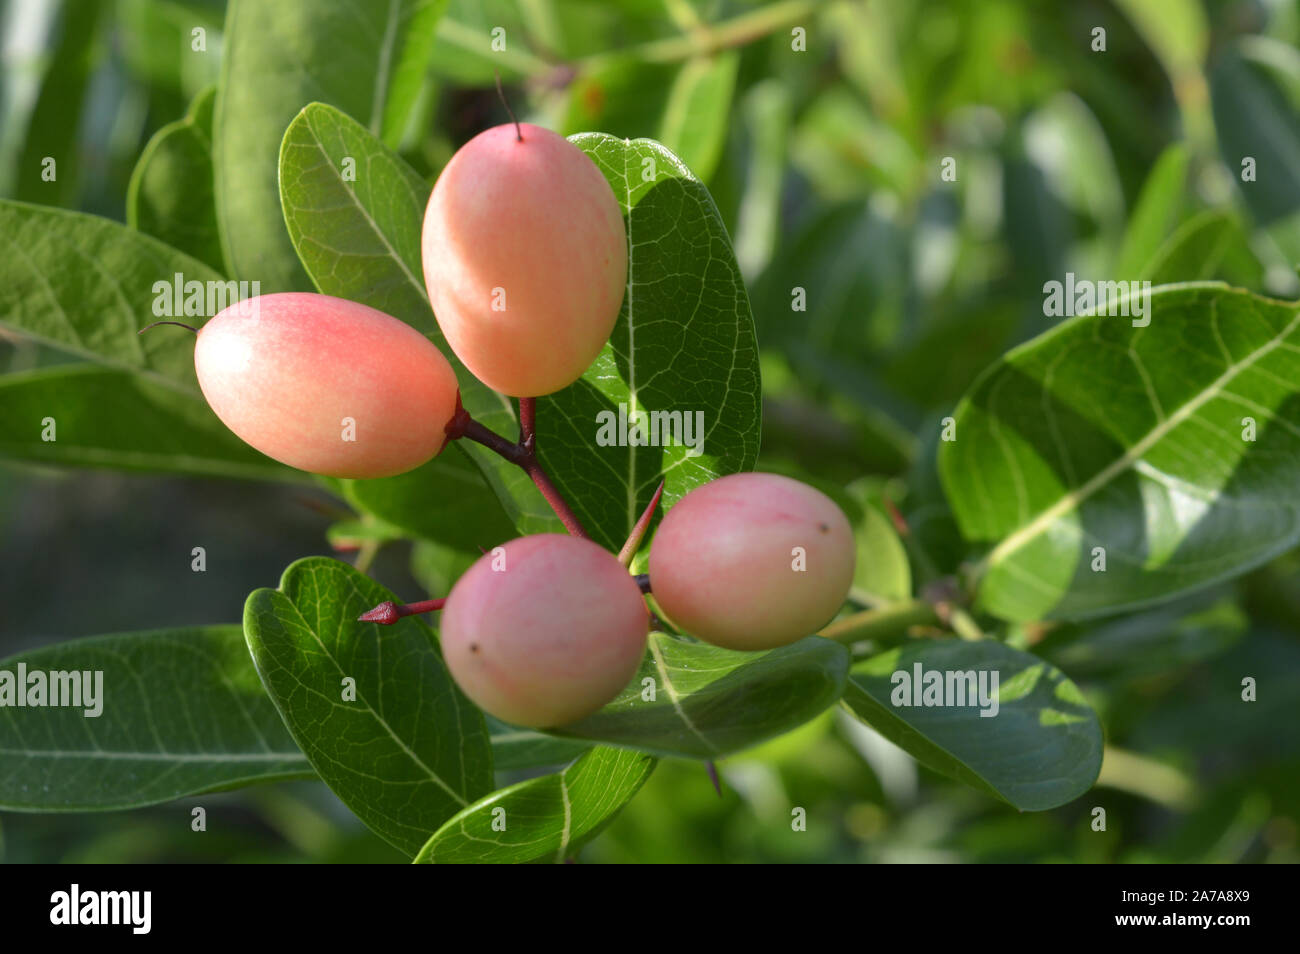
{"type": "Point", "coordinates": [522, 454]}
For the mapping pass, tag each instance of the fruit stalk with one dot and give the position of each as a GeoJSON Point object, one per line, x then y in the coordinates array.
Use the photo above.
{"type": "Point", "coordinates": [522, 454]}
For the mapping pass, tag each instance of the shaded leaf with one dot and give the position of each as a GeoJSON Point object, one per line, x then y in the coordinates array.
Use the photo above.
{"type": "Point", "coordinates": [1041, 749]}
{"type": "Point", "coordinates": [181, 713]}
{"type": "Point", "coordinates": [707, 702]}
{"type": "Point", "coordinates": [516, 748]}
{"type": "Point", "coordinates": [170, 194]}
{"type": "Point", "coordinates": [368, 59]}
{"type": "Point", "coordinates": [106, 417]}
{"type": "Point", "coordinates": [86, 285]}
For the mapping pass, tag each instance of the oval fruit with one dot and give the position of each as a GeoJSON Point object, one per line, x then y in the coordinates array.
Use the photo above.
{"type": "Point", "coordinates": [724, 565]}
{"type": "Point", "coordinates": [551, 635]}
{"type": "Point", "coordinates": [525, 259]}
{"type": "Point", "coordinates": [326, 385]}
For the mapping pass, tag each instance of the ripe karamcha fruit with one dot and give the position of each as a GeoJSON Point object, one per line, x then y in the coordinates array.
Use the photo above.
{"type": "Point", "coordinates": [525, 259]}
{"type": "Point", "coordinates": [752, 561]}
{"type": "Point", "coordinates": [326, 385]}
{"type": "Point", "coordinates": [544, 630]}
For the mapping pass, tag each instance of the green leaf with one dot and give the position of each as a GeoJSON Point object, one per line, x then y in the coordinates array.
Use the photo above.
{"type": "Point", "coordinates": [437, 566]}
{"type": "Point", "coordinates": [1065, 140]}
{"type": "Point", "coordinates": [409, 751]}
{"type": "Point", "coordinates": [1149, 643]}
{"type": "Point", "coordinates": [170, 195]}
{"type": "Point", "coordinates": [1196, 249]}
{"type": "Point", "coordinates": [1099, 434]}
{"type": "Point", "coordinates": [86, 285]}
{"type": "Point", "coordinates": [546, 818]}
{"type": "Point", "coordinates": [1158, 206]}
{"type": "Point", "coordinates": [105, 417]}
{"type": "Point", "coordinates": [1041, 749]}
{"type": "Point", "coordinates": [181, 713]}
{"type": "Point", "coordinates": [767, 110]}
{"type": "Point", "coordinates": [882, 572]}
{"type": "Point", "coordinates": [694, 700]}
{"type": "Point", "coordinates": [367, 58]}
{"type": "Point", "coordinates": [446, 500]}
{"type": "Point", "coordinates": [695, 120]}
{"type": "Point", "coordinates": [361, 240]}
{"type": "Point", "coordinates": [1254, 119]}
{"type": "Point", "coordinates": [684, 344]}
{"type": "Point", "coordinates": [517, 748]}
{"type": "Point", "coordinates": [55, 128]}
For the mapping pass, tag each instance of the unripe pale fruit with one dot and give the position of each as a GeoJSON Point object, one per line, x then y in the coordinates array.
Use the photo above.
{"type": "Point", "coordinates": [326, 385]}
{"type": "Point", "coordinates": [525, 259]}
{"type": "Point", "coordinates": [550, 638]}
{"type": "Point", "coordinates": [724, 565]}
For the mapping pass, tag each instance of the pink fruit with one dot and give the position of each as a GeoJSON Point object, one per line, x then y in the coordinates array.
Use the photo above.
{"type": "Point", "coordinates": [724, 564]}
{"type": "Point", "coordinates": [525, 259]}
{"type": "Point", "coordinates": [326, 385]}
{"type": "Point", "coordinates": [544, 630]}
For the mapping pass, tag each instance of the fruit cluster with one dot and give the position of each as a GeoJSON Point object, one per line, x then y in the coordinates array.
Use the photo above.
{"type": "Point", "coordinates": [526, 260]}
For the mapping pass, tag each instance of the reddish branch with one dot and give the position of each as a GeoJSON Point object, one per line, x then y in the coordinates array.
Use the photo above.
{"type": "Point", "coordinates": [522, 454]}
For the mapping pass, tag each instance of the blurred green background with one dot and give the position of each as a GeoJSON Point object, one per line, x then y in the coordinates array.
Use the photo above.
{"type": "Point", "coordinates": [826, 164]}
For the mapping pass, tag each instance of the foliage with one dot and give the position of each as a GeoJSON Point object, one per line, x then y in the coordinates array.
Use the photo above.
{"type": "Point", "coordinates": [1100, 510]}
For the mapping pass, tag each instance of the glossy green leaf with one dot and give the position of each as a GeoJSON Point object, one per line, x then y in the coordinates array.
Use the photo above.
{"type": "Point", "coordinates": [547, 818]}
{"type": "Point", "coordinates": [170, 195]}
{"type": "Point", "coordinates": [1041, 748]}
{"type": "Point", "coordinates": [360, 239]}
{"type": "Point", "coordinates": [181, 712]}
{"type": "Point", "coordinates": [368, 59]}
{"type": "Point", "coordinates": [1138, 441]}
{"type": "Point", "coordinates": [695, 119]}
{"type": "Point", "coordinates": [107, 417]}
{"type": "Point", "coordinates": [693, 700]}
{"type": "Point", "coordinates": [409, 751]}
{"type": "Point", "coordinates": [87, 285]}
{"type": "Point", "coordinates": [683, 345]}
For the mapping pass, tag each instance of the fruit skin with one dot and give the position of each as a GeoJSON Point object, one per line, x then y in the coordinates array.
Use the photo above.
{"type": "Point", "coordinates": [551, 638]}
{"type": "Point", "coordinates": [721, 562]}
{"type": "Point", "coordinates": [537, 219]}
{"type": "Point", "coordinates": [282, 371]}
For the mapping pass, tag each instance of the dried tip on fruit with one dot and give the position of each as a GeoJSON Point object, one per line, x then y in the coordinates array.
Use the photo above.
{"type": "Point", "coordinates": [178, 324]}
{"type": "Point", "coordinates": [385, 614]}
